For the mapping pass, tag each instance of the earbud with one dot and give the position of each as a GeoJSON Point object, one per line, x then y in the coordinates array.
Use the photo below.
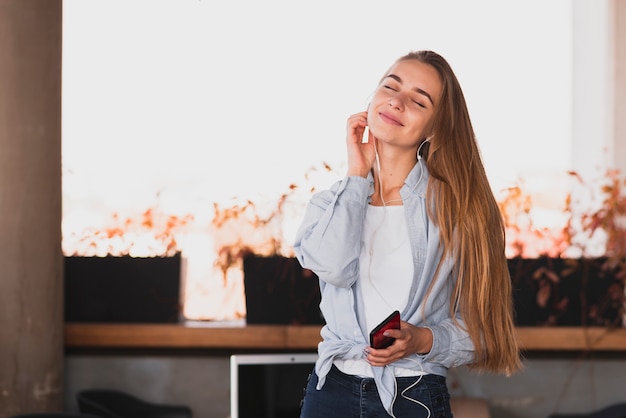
{"type": "Point", "coordinates": [419, 157]}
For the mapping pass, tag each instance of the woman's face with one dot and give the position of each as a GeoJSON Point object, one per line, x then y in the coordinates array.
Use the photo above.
{"type": "Point", "coordinates": [403, 105]}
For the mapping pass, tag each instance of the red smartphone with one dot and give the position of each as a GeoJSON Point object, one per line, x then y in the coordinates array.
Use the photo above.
{"type": "Point", "coordinates": [377, 339]}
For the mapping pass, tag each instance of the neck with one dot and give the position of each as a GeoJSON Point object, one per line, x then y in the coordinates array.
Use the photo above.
{"type": "Point", "coordinates": [389, 198]}
{"type": "Point", "coordinates": [393, 170]}
{"type": "Point", "coordinates": [390, 173]}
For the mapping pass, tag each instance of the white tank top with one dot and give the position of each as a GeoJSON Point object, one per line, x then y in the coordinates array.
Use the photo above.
{"type": "Point", "coordinates": [386, 275]}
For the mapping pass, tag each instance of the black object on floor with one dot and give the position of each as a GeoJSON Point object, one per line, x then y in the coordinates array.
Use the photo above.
{"type": "Point", "coordinates": [54, 415]}
{"type": "Point", "coordinates": [107, 403]}
{"type": "Point", "coordinates": [613, 411]}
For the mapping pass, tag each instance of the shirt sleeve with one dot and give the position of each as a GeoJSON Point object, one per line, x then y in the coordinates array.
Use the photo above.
{"type": "Point", "coordinates": [452, 345]}
{"type": "Point", "coordinates": [328, 239]}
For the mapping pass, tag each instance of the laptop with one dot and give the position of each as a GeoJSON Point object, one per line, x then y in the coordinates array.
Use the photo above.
{"type": "Point", "coordinates": [268, 385]}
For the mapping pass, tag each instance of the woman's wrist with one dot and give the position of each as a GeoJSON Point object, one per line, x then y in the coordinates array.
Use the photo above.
{"type": "Point", "coordinates": [425, 341]}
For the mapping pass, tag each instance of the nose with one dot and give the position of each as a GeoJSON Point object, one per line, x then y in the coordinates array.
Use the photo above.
{"type": "Point", "coordinates": [396, 102]}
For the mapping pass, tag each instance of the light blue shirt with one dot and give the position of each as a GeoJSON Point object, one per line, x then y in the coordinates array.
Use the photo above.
{"type": "Point", "coordinates": [329, 242]}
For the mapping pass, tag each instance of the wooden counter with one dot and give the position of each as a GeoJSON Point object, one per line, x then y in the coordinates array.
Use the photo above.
{"type": "Point", "coordinates": [279, 337]}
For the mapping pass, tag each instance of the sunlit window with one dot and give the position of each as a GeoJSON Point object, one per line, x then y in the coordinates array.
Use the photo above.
{"type": "Point", "coordinates": [195, 107]}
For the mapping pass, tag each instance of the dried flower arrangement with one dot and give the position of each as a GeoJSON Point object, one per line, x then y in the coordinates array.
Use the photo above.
{"type": "Point", "coordinates": [592, 282]}
{"type": "Point", "coordinates": [128, 270]}
{"type": "Point", "coordinates": [557, 280]}
{"type": "Point", "coordinates": [578, 229]}
{"type": "Point", "coordinates": [245, 228]}
{"type": "Point", "coordinates": [523, 237]}
{"type": "Point", "coordinates": [610, 218]}
{"type": "Point", "coordinates": [147, 234]}
{"type": "Point", "coordinates": [242, 229]}
{"type": "Point", "coordinates": [248, 228]}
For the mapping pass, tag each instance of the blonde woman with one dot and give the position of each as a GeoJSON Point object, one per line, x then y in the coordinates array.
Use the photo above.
{"type": "Point", "coordinates": [414, 228]}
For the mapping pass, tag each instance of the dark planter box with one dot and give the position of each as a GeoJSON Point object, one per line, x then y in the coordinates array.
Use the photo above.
{"type": "Point", "coordinates": [122, 289]}
{"type": "Point", "coordinates": [279, 291]}
{"type": "Point", "coordinates": [546, 292]}
{"type": "Point", "coordinates": [565, 292]}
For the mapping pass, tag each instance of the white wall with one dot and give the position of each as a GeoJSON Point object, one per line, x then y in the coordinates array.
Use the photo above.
{"type": "Point", "coordinates": [593, 87]}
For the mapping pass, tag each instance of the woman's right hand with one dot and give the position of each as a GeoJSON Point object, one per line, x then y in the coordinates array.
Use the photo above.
{"type": "Point", "coordinates": [361, 155]}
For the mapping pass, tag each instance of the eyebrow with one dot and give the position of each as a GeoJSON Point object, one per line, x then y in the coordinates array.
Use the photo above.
{"type": "Point", "coordinates": [417, 89]}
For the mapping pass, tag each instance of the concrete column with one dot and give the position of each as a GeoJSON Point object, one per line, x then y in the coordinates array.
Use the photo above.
{"type": "Point", "coordinates": [31, 280]}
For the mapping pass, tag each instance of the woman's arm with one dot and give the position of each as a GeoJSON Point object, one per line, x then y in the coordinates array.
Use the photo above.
{"type": "Point", "coordinates": [328, 241]}
{"type": "Point", "coordinates": [445, 343]}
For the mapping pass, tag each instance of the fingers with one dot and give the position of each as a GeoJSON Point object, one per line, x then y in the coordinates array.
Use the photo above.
{"type": "Point", "coordinates": [405, 345]}
{"type": "Point", "coordinates": [356, 127]}
{"type": "Point", "coordinates": [360, 154]}
{"type": "Point", "coordinates": [383, 356]}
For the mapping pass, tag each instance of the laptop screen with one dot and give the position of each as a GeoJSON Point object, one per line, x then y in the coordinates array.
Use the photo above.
{"type": "Point", "coordinates": [268, 385]}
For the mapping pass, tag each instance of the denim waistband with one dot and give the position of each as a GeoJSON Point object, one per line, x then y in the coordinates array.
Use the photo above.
{"type": "Point", "coordinates": [368, 382]}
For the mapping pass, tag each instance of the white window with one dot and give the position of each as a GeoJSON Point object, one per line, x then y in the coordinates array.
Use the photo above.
{"type": "Point", "coordinates": [183, 104]}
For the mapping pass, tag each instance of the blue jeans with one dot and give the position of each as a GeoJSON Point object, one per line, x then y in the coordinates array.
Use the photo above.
{"type": "Point", "coordinates": [346, 396]}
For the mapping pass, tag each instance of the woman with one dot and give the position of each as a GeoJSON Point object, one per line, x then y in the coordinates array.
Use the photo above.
{"type": "Point", "coordinates": [413, 227]}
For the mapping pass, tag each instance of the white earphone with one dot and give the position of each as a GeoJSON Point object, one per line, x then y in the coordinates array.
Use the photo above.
{"type": "Point", "coordinates": [419, 157]}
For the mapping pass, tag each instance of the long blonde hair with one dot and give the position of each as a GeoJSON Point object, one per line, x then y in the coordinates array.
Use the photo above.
{"type": "Point", "coordinates": [471, 226]}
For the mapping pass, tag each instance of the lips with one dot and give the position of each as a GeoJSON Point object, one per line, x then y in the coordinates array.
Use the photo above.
{"type": "Point", "coordinates": [390, 119]}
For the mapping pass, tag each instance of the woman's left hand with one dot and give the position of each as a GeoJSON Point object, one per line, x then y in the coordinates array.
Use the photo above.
{"type": "Point", "coordinates": [409, 340]}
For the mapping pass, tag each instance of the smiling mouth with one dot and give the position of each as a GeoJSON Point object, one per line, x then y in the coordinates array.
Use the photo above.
{"type": "Point", "coordinates": [390, 119]}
